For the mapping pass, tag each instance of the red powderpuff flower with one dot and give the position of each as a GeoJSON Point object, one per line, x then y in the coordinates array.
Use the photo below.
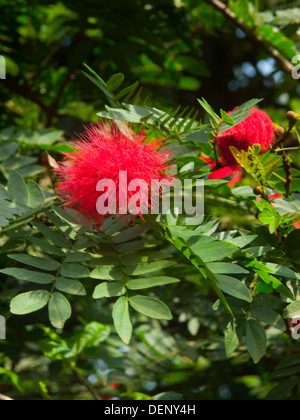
{"type": "Point", "coordinates": [101, 153]}
{"type": "Point", "coordinates": [257, 128]}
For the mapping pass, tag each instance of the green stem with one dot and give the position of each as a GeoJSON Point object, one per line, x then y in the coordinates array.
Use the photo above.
{"type": "Point", "coordinates": [24, 219]}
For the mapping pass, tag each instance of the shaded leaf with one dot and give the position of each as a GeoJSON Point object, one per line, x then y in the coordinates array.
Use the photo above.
{"type": "Point", "coordinates": [234, 287]}
{"type": "Point", "coordinates": [150, 307]}
{"type": "Point", "coordinates": [109, 289]}
{"type": "Point", "coordinates": [122, 320]}
{"type": "Point", "coordinates": [36, 196]}
{"type": "Point", "coordinates": [256, 340]}
{"type": "Point", "coordinates": [268, 316]}
{"type": "Point", "coordinates": [74, 271]}
{"type": "Point", "coordinates": [92, 335]}
{"type": "Point", "coordinates": [59, 310]}
{"type": "Point", "coordinates": [107, 272]}
{"type": "Point", "coordinates": [115, 82]}
{"type": "Point", "coordinates": [71, 286]}
{"type": "Point", "coordinates": [145, 283]}
{"type": "Point", "coordinates": [144, 268]}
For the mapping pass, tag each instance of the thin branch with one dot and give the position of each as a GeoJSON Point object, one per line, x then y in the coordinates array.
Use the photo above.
{"type": "Point", "coordinates": [87, 385]}
{"type": "Point", "coordinates": [282, 62]}
{"type": "Point", "coordinates": [288, 172]}
{"type": "Point", "coordinates": [288, 148]}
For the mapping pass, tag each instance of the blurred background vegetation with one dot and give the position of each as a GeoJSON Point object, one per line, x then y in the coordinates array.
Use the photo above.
{"type": "Point", "coordinates": [177, 51]}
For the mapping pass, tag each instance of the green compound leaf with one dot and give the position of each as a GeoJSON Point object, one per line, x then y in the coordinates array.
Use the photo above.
{"type": "Point", "coordinates": [17, 189]}
{"type": "Point", "coordinates": [137, 284]}
{"type": "Point", "coordinates": [28, 275]}
{"type": "Point", "coordinates": [46, 264]}
{"type": "Point", "coordinates": [71, 286]}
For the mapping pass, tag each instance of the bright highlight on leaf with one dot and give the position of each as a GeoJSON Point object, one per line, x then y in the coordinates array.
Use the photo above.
{"type": "Point", "coordinates": [100, 301]}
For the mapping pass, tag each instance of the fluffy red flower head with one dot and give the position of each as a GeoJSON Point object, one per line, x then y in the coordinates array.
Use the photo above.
{"type": "Point", "coordinates": [100, 153]}
{"type": "Point", "coordinates": [257, 128]}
